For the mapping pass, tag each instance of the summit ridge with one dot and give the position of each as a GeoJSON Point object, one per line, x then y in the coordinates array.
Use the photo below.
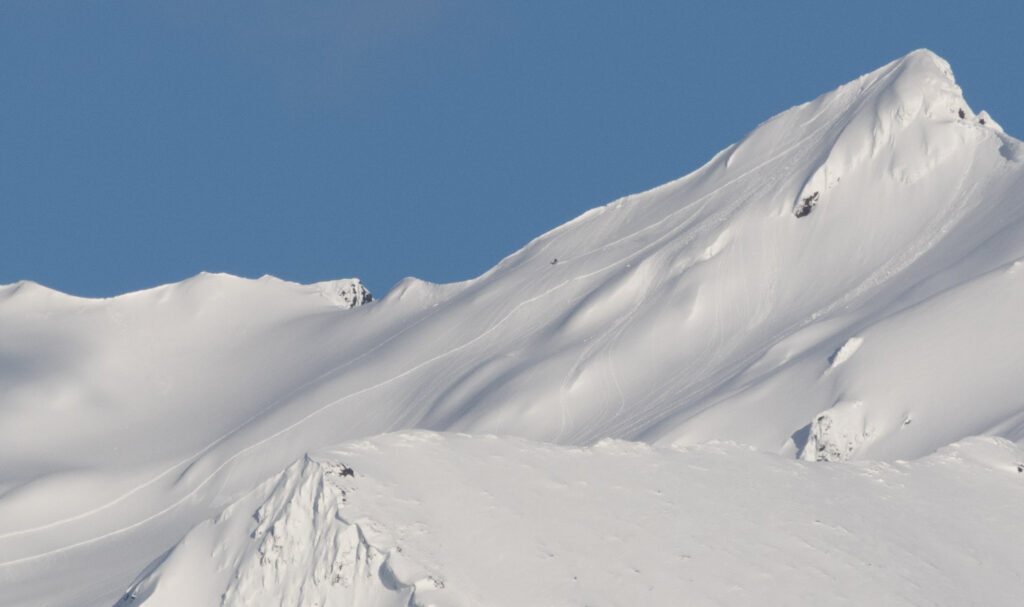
{"type": "Point", "coordinates": [842, 284]}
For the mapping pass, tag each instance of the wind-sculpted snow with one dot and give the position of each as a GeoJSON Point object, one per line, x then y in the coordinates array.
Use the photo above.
{"type": "Point", "coordinates": [895, 118]}
{"type": "Point", "coordinates": [509, 522]}
{"type": "Point", "coordinates": [294, 548]}
{"type": "Point", "coordinates": [881, 323]}
{"type": "Point", "coordinates": [837, 434]}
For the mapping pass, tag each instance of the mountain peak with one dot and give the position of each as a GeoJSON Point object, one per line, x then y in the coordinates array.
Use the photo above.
{"type": "Point", "coordinates": [885, 325]}
{"type": "Point", "coordinates": [924, 74]}
{"type": "Point", "coordinates": [900, 121]}
{"type": "Point", "coordinates": [926, 59]}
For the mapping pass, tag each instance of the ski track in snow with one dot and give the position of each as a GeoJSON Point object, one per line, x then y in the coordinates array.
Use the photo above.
{"type": "Point", "coordinates": [900, 261]}
{"type": "Point", "coordinates": [703, 228]}
{"type": "Point", "coordinates": [687, 223]}
{"type": "Point", "coordinates": [928, 240]}
{"type": "Point", "coordinates": [190, 460]}
{"type": "Point", "coordinates": [930, 236]}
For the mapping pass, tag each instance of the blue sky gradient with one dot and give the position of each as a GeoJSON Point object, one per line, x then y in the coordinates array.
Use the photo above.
{"type": "Point", "coordinates": [143, 142]}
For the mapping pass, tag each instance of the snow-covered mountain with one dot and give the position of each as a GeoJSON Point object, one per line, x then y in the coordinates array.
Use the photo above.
{"type": "Point", "coordinates": [430, 519]}
{"type": "Point", "coordinates": [845, 283]}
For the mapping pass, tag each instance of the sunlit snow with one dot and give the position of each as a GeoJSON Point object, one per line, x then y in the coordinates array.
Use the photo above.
{"type": "Point", "coordinates": [626, 426]}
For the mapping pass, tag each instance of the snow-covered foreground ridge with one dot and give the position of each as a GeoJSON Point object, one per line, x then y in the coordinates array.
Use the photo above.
{"type": "Point", "coordinates": [844, 283]}
{"type": "Point", "coordinates": [427, 519]}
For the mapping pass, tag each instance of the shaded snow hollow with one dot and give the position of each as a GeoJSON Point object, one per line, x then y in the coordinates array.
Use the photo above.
{"type": "Point", "coordinates": [881, 324]}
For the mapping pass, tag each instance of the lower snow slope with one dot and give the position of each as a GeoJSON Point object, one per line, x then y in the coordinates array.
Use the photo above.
{"type": "Point", "coordinates": [883, 322]}
{"type": "Point", "coordinates": [428, 519]}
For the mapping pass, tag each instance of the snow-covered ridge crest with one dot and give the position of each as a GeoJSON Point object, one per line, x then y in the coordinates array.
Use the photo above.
{"type": "Point", "coordinates": [345, 293]}
{"type": "Point", "coordinates": [295, 548]}
{"type": "Point", "coordinates": [512, 522]}
{"type": "Point", "coordinates": [342, 293]}
{"type": "Point", "coordinates": [883, 327]}
{"type": "Point", "coordinates": [906, 110]}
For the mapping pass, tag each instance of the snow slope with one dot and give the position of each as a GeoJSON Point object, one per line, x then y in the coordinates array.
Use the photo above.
{"type": "Point", "coordinates": [432, 519]}
{"type": "Point", "coordinates": [882, 323]}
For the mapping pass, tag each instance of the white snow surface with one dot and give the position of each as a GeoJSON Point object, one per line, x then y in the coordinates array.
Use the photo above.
{"type": "Point", "coordinates": [432, 519]}
{"type": "Point", "coordinates": [884, 325]}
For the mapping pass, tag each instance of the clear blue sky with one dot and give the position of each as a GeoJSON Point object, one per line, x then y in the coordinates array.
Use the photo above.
{"type": "Point", "coordinates": [142, 142]}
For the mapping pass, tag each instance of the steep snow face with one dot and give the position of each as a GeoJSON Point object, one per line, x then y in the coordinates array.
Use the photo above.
{"type": "Point", "coordinates": [665, 310]}
{"type": "Point", "coordinates": [895, 117]}
{"type": "Point", "coordinates": [294, 548]}
{"type": "Point", "coordinates": [508, 522]}
{"type": "Point", "coordinates": [704, 309]}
